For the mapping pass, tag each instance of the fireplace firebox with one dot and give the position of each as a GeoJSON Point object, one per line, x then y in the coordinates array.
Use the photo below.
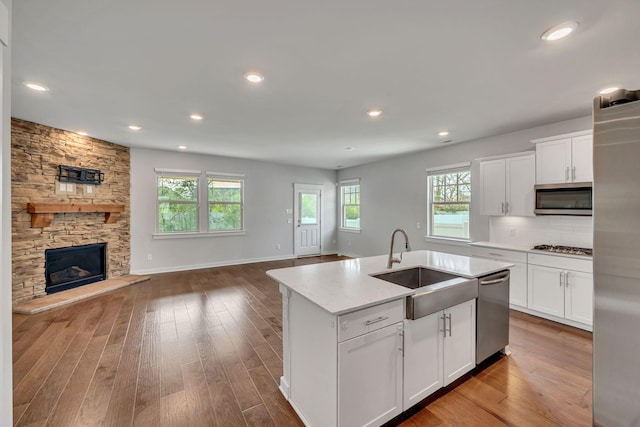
{"type": "Point", "coordinates": [73, 266]}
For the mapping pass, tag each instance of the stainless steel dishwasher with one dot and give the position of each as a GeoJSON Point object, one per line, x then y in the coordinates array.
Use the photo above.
{"type": "Point", "coordinates": [492, 315]}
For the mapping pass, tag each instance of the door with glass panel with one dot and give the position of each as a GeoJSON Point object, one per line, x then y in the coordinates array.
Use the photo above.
{"type": "Point", "coordinates": [307, 219]}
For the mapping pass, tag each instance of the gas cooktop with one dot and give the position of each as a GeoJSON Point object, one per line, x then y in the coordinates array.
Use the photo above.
{"type": "Point", "coordinates": [569, 250]}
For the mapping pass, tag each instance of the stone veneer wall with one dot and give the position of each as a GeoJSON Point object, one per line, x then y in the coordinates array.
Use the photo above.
{"type": "Point", "coordinates": [36, 153]}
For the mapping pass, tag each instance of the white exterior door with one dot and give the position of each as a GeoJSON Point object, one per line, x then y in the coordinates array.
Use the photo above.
{"type": "Point", "coordinates": [307, 219]}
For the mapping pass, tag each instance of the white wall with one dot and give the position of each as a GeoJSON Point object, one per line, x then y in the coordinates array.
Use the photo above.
{"type": "Point", "coordinates": [6, 397]}
{"type": "Point", "coordinates": [394, 191]}
{"type": "Point", "coordinates": [268, 193]}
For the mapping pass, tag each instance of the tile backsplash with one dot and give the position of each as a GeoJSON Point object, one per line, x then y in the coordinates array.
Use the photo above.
{"type": "Point", "coordinates": [552, 230]}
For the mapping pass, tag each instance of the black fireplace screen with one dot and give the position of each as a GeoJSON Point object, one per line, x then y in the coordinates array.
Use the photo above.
{"type": "Point", "coordinates": [74, 266]}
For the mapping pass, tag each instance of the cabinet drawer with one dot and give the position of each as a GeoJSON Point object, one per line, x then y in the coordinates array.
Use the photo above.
{"type": "Point", "coordinates": [370, 319]}
{"type": "Point", "coordinates": [562, 262]}
{"type": "Point", "coordinates": [499, 254]}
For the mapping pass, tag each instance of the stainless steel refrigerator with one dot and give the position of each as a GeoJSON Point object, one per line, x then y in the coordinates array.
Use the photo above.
{"type": "Point", "coordinates": [616, 259]}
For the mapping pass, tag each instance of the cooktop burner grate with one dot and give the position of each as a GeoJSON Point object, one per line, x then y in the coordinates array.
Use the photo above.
{"type": "Point", "coordinates": [570, 250]}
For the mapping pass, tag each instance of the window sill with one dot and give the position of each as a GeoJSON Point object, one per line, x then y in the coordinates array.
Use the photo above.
{"type": "Point", "coordinates": [350, 230]}
{"type": "Point", "coordinates": [194, 235]}
{"type": "Point", "coordinates": [447, 241]}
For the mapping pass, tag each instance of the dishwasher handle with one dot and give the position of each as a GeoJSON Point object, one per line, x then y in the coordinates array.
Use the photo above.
{"type": "Point", "coordinates": [495, 279]}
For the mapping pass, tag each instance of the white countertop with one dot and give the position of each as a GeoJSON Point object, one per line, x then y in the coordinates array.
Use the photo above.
{"type": "Point", "coordinates": [500, 246]}
{"type": "Point", "coordinates": [343, 286]}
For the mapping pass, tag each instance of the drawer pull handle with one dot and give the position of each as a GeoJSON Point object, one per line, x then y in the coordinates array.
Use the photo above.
{"type": "Point", "coordinates": [379, 319]}
{"type": "Point", "coordinates": [495, 254]}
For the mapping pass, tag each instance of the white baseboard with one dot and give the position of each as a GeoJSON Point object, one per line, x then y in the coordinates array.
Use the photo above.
{"type": "Point", "coordinates": [210, 264]}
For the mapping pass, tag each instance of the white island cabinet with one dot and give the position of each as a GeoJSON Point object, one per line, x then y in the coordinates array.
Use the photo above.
{"type": "Point", "coordinates": [346, 358]}
{"type": "Point", "coordinates": [438, 349]}
{"type": "Point", "coordinates": [343, 370]}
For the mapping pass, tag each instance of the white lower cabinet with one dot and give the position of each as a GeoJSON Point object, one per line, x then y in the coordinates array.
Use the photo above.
{"type": "Point", "coordinates": [546, 290]}
{"type": "Point", "coordinates": [438, 349]}
{"type": "Point", "coordinates": [370, 377]}
{"type": "Point", "coordinates": [561, 287]}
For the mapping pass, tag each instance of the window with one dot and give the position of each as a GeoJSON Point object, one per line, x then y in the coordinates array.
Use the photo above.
{"type": "Point", "coordinates": [449, 202]}
{"type": "Point", "coordinates": [225, 204]}
{"type": "Point", "coordinates": [177, 203]}
{"type": "Point", "coordinates": [198, 203]}
{"type": "Point", "coordinates": [350, 204]}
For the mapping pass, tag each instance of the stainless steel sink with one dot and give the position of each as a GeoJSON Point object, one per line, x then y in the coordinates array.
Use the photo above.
{"type": "Point", "coordinates": [436, 290]}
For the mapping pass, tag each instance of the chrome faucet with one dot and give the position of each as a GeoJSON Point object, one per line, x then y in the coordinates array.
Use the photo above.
{"type": "Point", "coordinates": [407, 246]}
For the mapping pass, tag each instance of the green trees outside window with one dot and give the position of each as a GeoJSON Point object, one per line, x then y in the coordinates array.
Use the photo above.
{"type": "Point", "coordinates": [225, 204]}
{"type": "Point", "coordinates": [350, 195]}
{"type": "Point", "coordinates": [177, 204]}
{"type": "Point", "coordinates": [449, 204]}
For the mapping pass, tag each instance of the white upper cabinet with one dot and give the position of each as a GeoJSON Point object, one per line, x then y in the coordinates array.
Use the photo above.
{"type": "Point", "coordinates": [582, 158]}
{"type": "Point", "coordinates": [564, 158]}
{"type": "Point", "coordinates": [506, 185]}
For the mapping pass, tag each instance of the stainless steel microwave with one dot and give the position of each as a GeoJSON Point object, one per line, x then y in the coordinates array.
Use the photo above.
{"type": "Point", "coordinates": [564, 199]}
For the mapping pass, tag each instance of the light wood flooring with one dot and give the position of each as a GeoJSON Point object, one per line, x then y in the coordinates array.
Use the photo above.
{"type": "Point", "coordinates": [204, 348]}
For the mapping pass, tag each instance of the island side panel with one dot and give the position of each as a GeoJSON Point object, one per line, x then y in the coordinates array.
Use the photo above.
{"type": "Point", "coordinates": [310, 359]}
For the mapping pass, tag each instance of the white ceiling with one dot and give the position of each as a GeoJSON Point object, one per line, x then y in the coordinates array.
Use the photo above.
{"type": "Point", "coordinates": [475, 68]}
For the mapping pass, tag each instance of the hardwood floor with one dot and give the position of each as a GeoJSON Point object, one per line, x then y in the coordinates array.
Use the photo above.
{"type": "Point", "coordinates": [204, 348]}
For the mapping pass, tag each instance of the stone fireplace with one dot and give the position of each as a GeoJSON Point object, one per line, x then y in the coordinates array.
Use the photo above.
{"type": "Point", "coordinates": [84, 215]}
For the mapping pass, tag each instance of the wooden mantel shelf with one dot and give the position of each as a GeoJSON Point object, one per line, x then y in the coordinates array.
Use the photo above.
{"type": "Point", "coordinates": [42, 213]}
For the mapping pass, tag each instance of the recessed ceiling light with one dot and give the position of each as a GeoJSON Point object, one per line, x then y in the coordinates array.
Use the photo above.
{"type": "Point", "coordinates": [182, 147]}
{"type": "Point", "coordinates": [608, 90]}
{"type": "Point", "coordinates": [83, 133]}
{"type": "Point", "coordinates": [254, 77]}
{"type": "Point", "coordinates": [134, 127]}
{"type": "Point", "coordinates": [559, 31]}
{"type": "Point", "coordinates": [36, 86]}
{"type": "Point", "coordinates": [374, 112]}
{"type": "Point", "coordinates": [196, 117]}
{"type": "Point", "coordinates": [444, 133]}
{"type": "Point", "coordinates": [446, 141]}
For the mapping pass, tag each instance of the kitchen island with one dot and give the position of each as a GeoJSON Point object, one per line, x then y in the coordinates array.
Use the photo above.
{"type": "Point", "coordinates": [349, 356]}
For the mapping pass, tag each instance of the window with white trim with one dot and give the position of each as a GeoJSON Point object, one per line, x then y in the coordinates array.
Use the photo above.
{"type": "Point", "coordinates": [177, 203]}
{"type": "Point", "coordinates": [350, 204]}
{"type": "Point", "coordinates": [225, 199]}
{"type": "Point", "coordinates": [449, 202]}
{"type": "Point", "coordinates": [181, 212]}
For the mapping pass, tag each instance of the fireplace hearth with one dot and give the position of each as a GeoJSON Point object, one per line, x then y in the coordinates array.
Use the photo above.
{"type": "Point", "coordinates": [73, 266]}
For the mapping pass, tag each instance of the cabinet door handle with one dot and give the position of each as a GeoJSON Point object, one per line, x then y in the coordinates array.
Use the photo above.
{"type": "Point", "coordinates": [502, 209]}
{"type": "Point", "coordinates": [566, 279]}
{"type": "Point", "coordinates": [506, 207]}
{"type": "Point", "coordinates": [566, 174]}
{"type": "Point", "coordinates": [561, 278]}
{"type": "Point", "coordinates": [379, 319]}
{"type": "Point", "coordinates": [444, 326]}
{"type": "Point", "coordinates": [573, 174]}
{"type": "Point", "coordinates": [401, 336]}
{"type": "Point", "coordinates": [495, 254]}
{"type": "Point", "coordinates": [449, 317]}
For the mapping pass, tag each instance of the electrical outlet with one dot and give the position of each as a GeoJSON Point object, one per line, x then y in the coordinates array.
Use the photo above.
{"type": "Point", "coordinates": [349, 243]}
{"type": "Point", "coordinates": [149, 257]}
{"type": "Point", "coordinates": [278, 246]}
{"type": "Point", "coordinates": [417, 225]}
{"type": "Point", "coordinates": [513, 232]}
